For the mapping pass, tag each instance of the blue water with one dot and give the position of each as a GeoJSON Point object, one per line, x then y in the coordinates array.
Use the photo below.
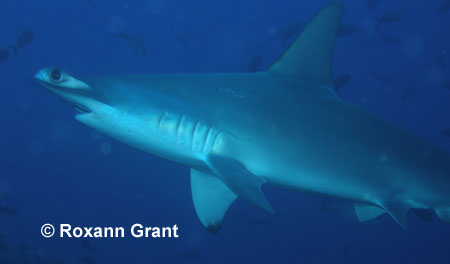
{"type": "Point", "coordinates": [55, 170]}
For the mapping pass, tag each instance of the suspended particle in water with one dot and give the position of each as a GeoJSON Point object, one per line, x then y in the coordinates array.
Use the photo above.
{"type": "Point", "coordinates": [383, 158]}
{"type": "Point", "coordinates": [105, 148]}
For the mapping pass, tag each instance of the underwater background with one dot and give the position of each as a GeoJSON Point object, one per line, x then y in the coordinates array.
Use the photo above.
{"type": "Point", "coordinates": [391, 57]}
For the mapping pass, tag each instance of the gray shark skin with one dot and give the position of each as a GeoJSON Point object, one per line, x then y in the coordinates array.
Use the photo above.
{"type": "Point", "coordinates": [284, 126]}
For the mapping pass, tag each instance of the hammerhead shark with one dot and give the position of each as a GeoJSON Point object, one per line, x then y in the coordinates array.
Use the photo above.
{"type": "Point", "coordinates": [284, 126]}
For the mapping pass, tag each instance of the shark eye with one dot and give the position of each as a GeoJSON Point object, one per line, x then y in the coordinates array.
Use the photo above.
{"type": "Point", "coordinates": [56, 75]}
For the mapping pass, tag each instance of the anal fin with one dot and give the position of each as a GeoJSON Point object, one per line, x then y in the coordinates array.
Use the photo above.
{"type": "Point", "coordinates": [242, 182]}
{"type": "Point", "coordinates": [211, 197]}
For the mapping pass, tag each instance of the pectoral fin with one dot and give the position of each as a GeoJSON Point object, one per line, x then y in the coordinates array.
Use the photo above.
{"type": "Point", "coordinates": [211, 197]}
{"type": "Point", "coordinates": [239, 180]}
{"type": "Point", "coordinates": [366, 212]}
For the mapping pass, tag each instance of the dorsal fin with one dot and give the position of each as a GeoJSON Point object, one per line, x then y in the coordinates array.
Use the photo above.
{"type": "Point", "coordinates": [311, 53]}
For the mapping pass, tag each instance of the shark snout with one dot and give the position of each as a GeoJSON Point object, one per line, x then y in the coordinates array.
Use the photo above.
{"type": "Point", "coordinates": [40, 76]}
{"type": "Point", "coordinates": [55, 78]}
{"type": "Point", "coordinates": [65, 86]}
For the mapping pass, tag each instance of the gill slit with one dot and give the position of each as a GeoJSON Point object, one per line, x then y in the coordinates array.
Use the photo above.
{"type": "Point", "coordinates": [205, 145]}
{"type": "Point", "coordinates": [160, 120]}
{"type": "Point", "coordinates": [177, 134]}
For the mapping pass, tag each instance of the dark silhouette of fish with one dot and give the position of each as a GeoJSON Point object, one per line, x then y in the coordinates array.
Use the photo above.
{"type": "Point", "coordinates": [446, 85]}
{"type": "Point", "coordinates": [381, 77]}
{"type": "Point", "coordinates": [392, 17]}
{"type": "Point", "coordinates": [341, 81]}
{"type": "Point", "coordinates": [444, 7]}
{"type": "Point", "coordinates": [372, 4]}
{"type": "Point", "coordinates": [255, 63]}
{"type": "Point", "coordinates": [86, 245]}
{"type": "Point", "coordinates": [135, 44]}
{"type": "Point", "coordinates": [25, 38]}
{"type": "Point", "coordinates": [4, 54]}
{"type": "Point", "coordinates": [346, 30]}
{"type": "Point", "coordinates": [410, 91]}
{"type": "Point", "coordinates": [8, 210]}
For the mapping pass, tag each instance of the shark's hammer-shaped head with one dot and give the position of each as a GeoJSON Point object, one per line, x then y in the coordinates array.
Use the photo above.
{"type": "Point", "coordinates": [68, 88]}
{"type": "Point", "coordinates": [132, 109]}
{"type": "Point", "coordinates": [93, 110]}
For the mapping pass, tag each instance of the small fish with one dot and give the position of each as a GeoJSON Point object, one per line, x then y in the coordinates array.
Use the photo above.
{"type": "Point", "coordinates": [255, 63]}
{"type": "Point", "coordinates": [341, 81]}
{"type": "Point", "coordinates": [87, 246]}
{"type": "Point", "coordinates": [444, 7]}
{"type": "Point", "coordinates": [446, 133]}
{"type": "Point", "coordinates": [88, 260]}
{"type": "Point", "coordinates": [8, 210]}
{"type": "Point", "coordinates": [381, 77]}
{"type": "Point", "coordinates": [392, 17]}
{"type": "Point", "coordinates": [4, 54]}
{"type": "Point", "coordinates": [134, 43]}
{"type": "Point", "coordinates": [446, 85]}
{"type": "Point", "coordinates": [346, 30]}
{"type": "Point", "coordinates": [372, 4]}
{"type": "Point", "coordinates": [25, 38]}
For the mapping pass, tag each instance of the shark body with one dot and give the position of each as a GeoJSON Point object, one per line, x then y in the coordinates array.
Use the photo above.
{"type": "Point", "coordinates": [284, 126]}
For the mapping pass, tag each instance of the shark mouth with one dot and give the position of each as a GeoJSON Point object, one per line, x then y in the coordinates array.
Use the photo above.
{"type": "Point", "coordinates": [78, 100]}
